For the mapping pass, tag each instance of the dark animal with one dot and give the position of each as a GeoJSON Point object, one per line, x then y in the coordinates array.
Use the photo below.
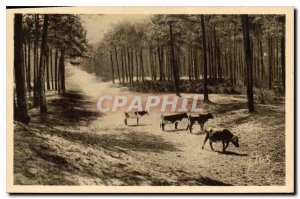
{"type": "Point", "coordinates": [175, 118]}
{"type": "Point", "coordinates": [200, 119]}
{"type": "Point", "coordinates": [135, 114]}
{"type": "Point", "coordinates": [221, 135]}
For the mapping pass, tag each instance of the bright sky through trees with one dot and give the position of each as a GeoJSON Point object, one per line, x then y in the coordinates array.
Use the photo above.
{"type": "Point", "coordinates": [98, 25]}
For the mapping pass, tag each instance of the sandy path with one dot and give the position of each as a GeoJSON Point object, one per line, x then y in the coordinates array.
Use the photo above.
{"type": "Point", "coordinates": [75, 144]}
{"type": "Point", "coordinates": [176, 156]}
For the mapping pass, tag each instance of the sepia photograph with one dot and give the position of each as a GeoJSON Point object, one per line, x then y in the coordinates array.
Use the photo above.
{"type": "Point", "coordinates": [150, 100]}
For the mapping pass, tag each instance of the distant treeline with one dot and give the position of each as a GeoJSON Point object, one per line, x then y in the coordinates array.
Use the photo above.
{"type": "Point", "coordinates": [244, 49]}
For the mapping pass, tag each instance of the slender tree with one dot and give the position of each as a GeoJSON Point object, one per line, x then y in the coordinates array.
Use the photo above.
{"type": "Point", "coordinates": [21, 111]}
{"type": "Point", "coordinates": [47, 68]}
{"type": "Point", "coordinates": [42, 67]}
{"type": "Point", "coordinates": [62, 86]}
{"type": "Point", "coordinates": [29, 68]}
{"type": "Point", "coordinates": [205, 90]}
{"type": "Point", "coordinates": [112, 68]}
{"type": "Point", "coordinates": [51, 68]}
{"type": "Point", "coordinates": [270, 62]}
{"type": "Point", "coordinates": [248, 60]}
{"type": "Point", "coordinates": [35, 65]}
{"type": "Point", "coordinates": [174, 66]}
{"type": "Point", "coordinates": [55, 70]}
{"type": "Point", "coordinates": [118, 71]}
{"type": "Point", "coordinates": [283, 62]}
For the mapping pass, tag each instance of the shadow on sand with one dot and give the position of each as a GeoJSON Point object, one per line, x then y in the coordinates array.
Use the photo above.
{"type": "Point", "coordinates": [70, 108]}
{"type": "Point", "coordinates": [136, 125]}
{"type": "Point", "coordinates": [135, 141]}
{"type": "Point", "coordinates": [175, 130]}
{"type": "Point", "coordinates": [200, 181]}
{"type": "Point", "coordinates": [232, 153]}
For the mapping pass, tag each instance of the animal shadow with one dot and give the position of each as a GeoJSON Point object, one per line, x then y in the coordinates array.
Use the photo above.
{"type": "Point", "coordinates": [136, 125]}
{"type": "Point", "coordinates": [232, 153]}
{"type": "Point", "coordinates": [175, 130]}
{"type": "Point", "coordinates": [199, 133]}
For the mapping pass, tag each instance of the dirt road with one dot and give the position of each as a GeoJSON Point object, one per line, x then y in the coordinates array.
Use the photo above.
{"type": "Point", "coordinates": [76, 144]}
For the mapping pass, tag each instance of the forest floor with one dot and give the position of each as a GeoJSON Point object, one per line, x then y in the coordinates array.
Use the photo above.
{"type": "Point", "coordinates": [74, 144]}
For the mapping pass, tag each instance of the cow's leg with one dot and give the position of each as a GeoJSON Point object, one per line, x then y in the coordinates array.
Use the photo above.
{"type": "Point", "coordinates": [125, 121]}
{"type": "Point", "coordinates": [189, 122]}
{"type": "Point", "coordinates": [191, 126]}
{"type": "Point", "coordinates": [202, 126]}
{"type": "Point", "coordinates": [223, 145]}
{"type": "Point", "coordinates": [176, 123]}
{"type": "Point", "coordinates": [163, 126]}
{"type": "Point", "coordinates": [137, 120]}
{"type": "Point", "coordinates": [226, 145]}
{"type": "Point", "coordinates": [210, 143]}
{"type": "Point", "coordinates": [205, 140]}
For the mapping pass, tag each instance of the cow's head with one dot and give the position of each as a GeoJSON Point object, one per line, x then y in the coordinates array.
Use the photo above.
{"type": "Point", "coordinates": [184, 115]}
{"type": "Point", "coordinates": [143, 113]}
{"type": "Point", "coordinates": [235, 141]}
{"type": "Point", "coordinates": [210, 116]}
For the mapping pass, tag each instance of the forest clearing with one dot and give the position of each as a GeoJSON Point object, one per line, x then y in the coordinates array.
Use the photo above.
{"type": "Point", "coordinates": [75, 145]}
{"type": "Point", "coordinates": [64, 63]}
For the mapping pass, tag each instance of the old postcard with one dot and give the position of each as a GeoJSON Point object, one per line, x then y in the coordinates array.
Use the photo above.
{"type": "Point", "coordinates": [150, 100]}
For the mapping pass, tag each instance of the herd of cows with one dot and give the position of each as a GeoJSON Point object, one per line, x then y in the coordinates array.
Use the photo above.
{"type": "Point", "coordinates": [224, 135]}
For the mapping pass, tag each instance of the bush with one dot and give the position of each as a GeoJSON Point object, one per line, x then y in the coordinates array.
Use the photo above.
{"type": "Point", "coordinates": [221, 87]}
{"type": "Point", "coordinates": [240, 88]}
{"type": "Point", "coordinates": [265, 96]}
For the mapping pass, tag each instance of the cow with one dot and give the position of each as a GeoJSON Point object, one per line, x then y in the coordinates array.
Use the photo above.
{"type": "Point", "coordinates": [133, 115]}
{"type": "Point", "coordinates": [175, 118]}
{"type": "Point", "coordinates": [221, 135]}
{"type": "Point", "coordinates": [200, 119]}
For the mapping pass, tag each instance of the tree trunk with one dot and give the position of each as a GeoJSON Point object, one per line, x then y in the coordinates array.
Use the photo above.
{"type": "Point", "coordinates": [21, 105]}
{"type": "Point", "coordinates": [262, 66]}
{"type": "Point", "coordinates": [196, 74]}
{"type": "Point", "coordinates": [122, 63]}
{"type": "Point", "coordinates": [41, 76]}
{"type": "Point", "coordinates": [154, 64]}
{"type": "Point", "coordinates": [29, 68]}
{"type": "Point", "coordinates": [62, 71]}
{"type": "Point", "coordinates": [219, 61]}
{"type": "Point", "coordinates": [126, 65]}
{"type": "Point", "coordinates": [210, 58]}
{"type": "Point", "coordinates": [142, 65]}
{"type": "Point", "coordinates": [137, 65]}
{"type": "Point", "coordinates": [160, 63]}
{"type": "Point", "coordinates": [55, 69]}
{"type": "Point", "coordinates": [226, 62]}
{"type": "Point", "coordinates": [205, 90]}
{"type": "Point", "coordinates": [277, 56]}
{"type": "Point", "coordinates": [129, 66]}
{"type": "Point", "coordinates": [112, 68]}
{"type": "Point", "coordinates": [51, 69]}
{"type": "Point", "coordinates": [35, 66]}
{"type": "Point", "coordinates": [118, 71]}
{"type": "Point", "coordinates": [270, 62]}
{"type": "Point", "coordinates": [190, 65]}
{"type": "Point", "coordinates": [150, 63]}
{"type": "Point", "coordinates": [176, 80]}
{"type": "Point", "coordinates": [231, 66]}
{"type": "Point", "coordinates": [234, 62]}
{"type": "Point", "coordinates": [132, 67]}
{"type": "Point", "coordinates": [47, 69]}
{"type": "Point", "coordinates": [248, 60]}
{"type": "Point", "coordinates": [215, 54]}
{"type": "Point", "coordinates": [24, 56]}
{"type": "Point", "coordinates": [283, 63]}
